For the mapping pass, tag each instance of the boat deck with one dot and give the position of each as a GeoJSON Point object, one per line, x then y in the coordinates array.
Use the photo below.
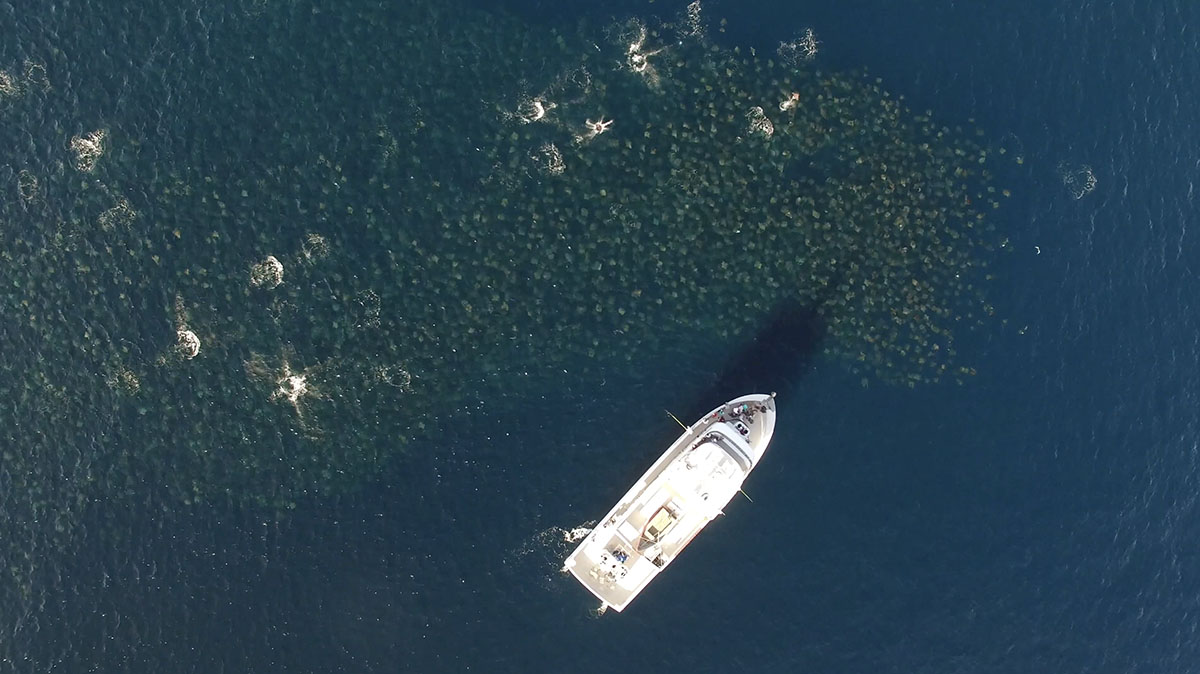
{"type": "Point", "coordinates": [680, 494]}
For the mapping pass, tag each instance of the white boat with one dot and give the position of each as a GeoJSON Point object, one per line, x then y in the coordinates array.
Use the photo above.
{"type": "Point", "coordinates": [682, 492]}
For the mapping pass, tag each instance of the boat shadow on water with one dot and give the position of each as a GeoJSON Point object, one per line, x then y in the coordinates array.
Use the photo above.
{"type": "Point", "coordinates": [775, 359]}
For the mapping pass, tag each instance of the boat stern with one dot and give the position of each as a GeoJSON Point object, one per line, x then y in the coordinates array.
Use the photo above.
{"type": "Point", "coordinates": [609, 568]}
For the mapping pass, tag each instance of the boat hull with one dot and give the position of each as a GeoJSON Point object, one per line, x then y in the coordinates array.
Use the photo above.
{"type": "Point", "coordinates": [683, 491]}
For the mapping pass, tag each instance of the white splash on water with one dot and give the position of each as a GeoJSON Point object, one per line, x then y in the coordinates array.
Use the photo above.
{"type": "Point", "coordinates": [554, 542]}
{"type": "Point", "coordinates": [267, 274]}
{"type": "Point", "coordinates": [87, 149]}
{"type": "Point", "coordinates": [1079, 180]}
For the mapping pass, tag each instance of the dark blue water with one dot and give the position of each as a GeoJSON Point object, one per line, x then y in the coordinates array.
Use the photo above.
{"type": "Point", "coordinates": [1041, 517]}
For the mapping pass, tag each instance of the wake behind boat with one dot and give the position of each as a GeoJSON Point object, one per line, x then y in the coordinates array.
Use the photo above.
{"type": "Point", "coordinates": [681, 493]}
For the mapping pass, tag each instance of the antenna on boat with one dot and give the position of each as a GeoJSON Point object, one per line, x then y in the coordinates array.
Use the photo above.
{"type": "Point", "coordinates": [676, 419]}
{"type": "Point", "coordinates": [747, 496]}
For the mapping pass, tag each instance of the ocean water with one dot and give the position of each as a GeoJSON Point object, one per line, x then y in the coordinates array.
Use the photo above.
{"type": "Point", "coordinates": [1040, 516]}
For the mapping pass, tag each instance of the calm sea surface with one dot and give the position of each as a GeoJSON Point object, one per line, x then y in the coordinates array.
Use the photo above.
{"type": "Point", "coordinates": [1041, 517]}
